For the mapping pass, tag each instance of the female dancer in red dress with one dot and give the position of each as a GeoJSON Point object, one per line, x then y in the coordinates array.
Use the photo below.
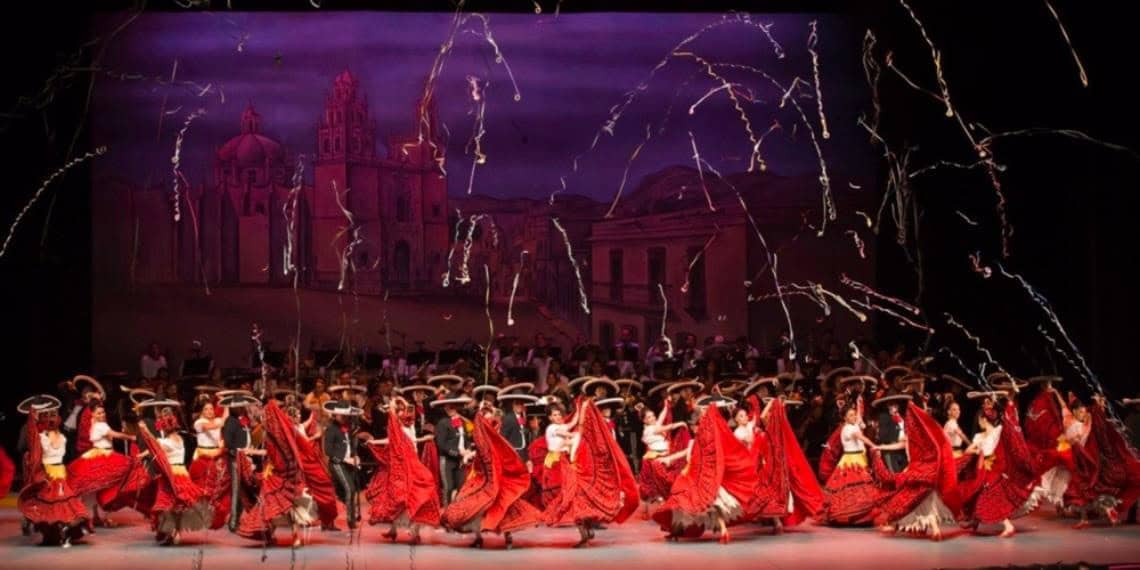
{"type": "Point", "coordinates": [549, 451]}
{"type": "Point", "coordinates": [597, 484]}
{"type": "Point", "coordinates": [924, 495]}
{"type": "Point", "coordinates": [284, 498]}
{"type": "Point", "coordinates": [47, 500]}
{"type": "Point", "coordinates": [209, 469]}
{"type": "Point", "coordinates": [716, 484]}
{"type": "Point", "coordinates": [402, 492]}
{"type": "Point", "coordinates": [1107, 476]}
{"type": "Point", "coordinates": [655, 478]}
{"type": "Point", "coordinates": [849, 491]}
{"type": "Point", "coordinates": [787, 491]}
{"type": "Point", "coordinates": [97, 474]}
{"type": "Point", "coordinates": [317, 479]}
{"type": "Point", "coordinates": [179, 504]}
{"type": "Point", "coordinates": [491, 499]}
{"type": "Point", "coordinates": [999, 478]}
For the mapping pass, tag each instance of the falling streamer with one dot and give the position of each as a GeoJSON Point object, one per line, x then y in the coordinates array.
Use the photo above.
{"type": "Point", "coordinates": [701, 172]}
{"type": "Point", "coordinates": [866, 290]}
{"type": "Point", "coordinates": [514, 288]}
{"type": "Point", "coordinates": [625, 174]}
{"type": "Point", "coordinates": [977, 346]}
{"type": "Point", "coordinates": [454, 244]}
{"type": "Point", "coordinates": [475, 144]}
{"type": "Point", "coordinates": [664, 320]}
{"type": "Point", "coordinates": [583, 300]}
{"type": "Point", "coordinates": [1068, 42]}
{"type": "Point", "coordinates": [697, 257]}
{"type": "Point", "coordinates": [176, 161]}
{"type": "Point", "coordinates": [43, 188]}
{"type": "Point", "coordinates": [784, 306]}
{"type": "Point", "coordinates": [813, 39]}
{"type": "Point", "coordinates": [490, 325]}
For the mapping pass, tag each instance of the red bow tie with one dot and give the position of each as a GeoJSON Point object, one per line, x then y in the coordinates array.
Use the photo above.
{"type": "Point", "coordinates": [457, 422]}
{"type": "Point", "coordinates": [244, 421]}
{"type": "Point", "coordinates": [343, 428]}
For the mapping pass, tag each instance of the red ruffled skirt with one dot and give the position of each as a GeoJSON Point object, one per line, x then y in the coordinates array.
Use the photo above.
{"type": "Point", "coordinates": [136, 490]}
{"type": "Point", "coordinates": [991, 497]}
{"type": "Point", "coordinates": [50, 500]}
{"type": "Point", "coordinates": [849, 494]}
{"type": "Point", "coordinates": [282, 501]}
{"type": "Point", "coordinates": [179, 504]}
{"type": "Point", "coordinates": [393, 499]}
{"type": "Point", "coordinates": [656, 478]}
{"type": "Point", "coordinates": [578, 500]}
{"type": "Point", "coordinates": [97, 469]}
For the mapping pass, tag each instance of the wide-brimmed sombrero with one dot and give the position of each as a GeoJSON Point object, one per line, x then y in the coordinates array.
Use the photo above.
{"type": "Point", "coordinates": [460, 401]}
{"type": "Point", "coordinates": [341, 408]}
{"type": "Point", "coordinates": [39, 403]}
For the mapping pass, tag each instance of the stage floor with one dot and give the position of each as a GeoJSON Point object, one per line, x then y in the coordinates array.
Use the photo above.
{"type": "Point", "coordinates": [637, 544]}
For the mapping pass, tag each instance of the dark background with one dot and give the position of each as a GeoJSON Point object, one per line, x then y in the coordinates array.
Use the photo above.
{"type": "Point", "coordinates": [1071, 203]}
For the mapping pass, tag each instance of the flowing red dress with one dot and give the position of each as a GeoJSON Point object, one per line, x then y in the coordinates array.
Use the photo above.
{"type": "Point", "coordinates": [597, 483]}
{"type": "Point", "coordinates": [7, 472]}
{"type": "Point", "coordinates": [402, 490]}
{"type": "Point", "coordinates": [97, 469]}
{"type": "Point", "coordinates": [491, 498]}
{"type": "Point", "coordinates": [1003, 485]}
{"type": "Point", "coordinates": [849, 489]}
{"type": "Point", "coordinates": [47, 498]}
{"type": "Point", "coordinates": [786, 487]}
{"type": "Point", "coordinates": [720, 478]}
{"type": "Point", "coordinates": [926, 491]}
{"type": "Point", "coordinates": [655, 479]}
{"type": "Point", "coordinates": [284, 497]}
{"type": "Point", "coordinates": [1106, 466]}
{"type": "Point", "coordinates": [179, 504]}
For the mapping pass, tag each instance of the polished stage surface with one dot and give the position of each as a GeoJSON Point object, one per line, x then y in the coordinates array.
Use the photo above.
{"type": "Point", "coordinates": [1042, 539]}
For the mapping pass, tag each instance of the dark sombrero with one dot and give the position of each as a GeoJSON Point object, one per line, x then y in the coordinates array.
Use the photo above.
{"type": "Point", "coordinates": [900, 399]}
{"type": "Point", "coordinates": [460, 401]}
{"type": "Point", "coordinates": [341, 408]}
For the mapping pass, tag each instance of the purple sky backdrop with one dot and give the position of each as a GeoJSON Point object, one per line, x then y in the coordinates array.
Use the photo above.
{"type": "Point", "coordinates": [570, 71]}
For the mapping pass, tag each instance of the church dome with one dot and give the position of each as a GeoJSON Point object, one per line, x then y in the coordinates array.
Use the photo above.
{"type": "Point", "coordinates": [251, 149]}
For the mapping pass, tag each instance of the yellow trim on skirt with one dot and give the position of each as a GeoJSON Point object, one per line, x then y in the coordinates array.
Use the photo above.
{"type": "Point", "coordinates": [55, 471]}
{"type": "Point", "coordinates": [96, 452]}
{"type": "Point", "coordinates": [988, 462]}
{"type": "Point", "coordinates": [651, 455]}
{"type": "Point", "coordinates": [552, 459]}
{"type": "Point", "coordinates": [850, 460]}
{"type": "Point", "coordinates": [210, 452]}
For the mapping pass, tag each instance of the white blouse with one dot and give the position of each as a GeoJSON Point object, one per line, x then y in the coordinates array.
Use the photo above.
{"type": "Point", "coordinates": [207, 438]}
{"type": "Point", "coordinates": [175, 450]}
{"type": "Point", "coordinates": [987, 444]}
{"type": "Point", "coordinates": [410, 431]}
{"type": "Point", "coordinates": [654, 439]}
{"type": "Point", "coordinates": [555, 441]}
{"type": "Point", "coordinates": [1077, 433]}
{"type": "Point", "coordinates": [100, 435]}
{"type": "Point", "coordinates": [52, 455]}
{"type": "Point", "coordinates": [852, 443]}
{"type": "Point", "coordinates": [744, 434]}
{"type": "Point", "coordinates": [954, 433]}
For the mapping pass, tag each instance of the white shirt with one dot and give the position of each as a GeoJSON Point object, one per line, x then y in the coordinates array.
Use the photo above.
{"type": "Point", "coordinates": [52, 455]}
{"type": "Point", "coordinates": [987, 444]}
{"type": "Point", "coordinates": [954, 433]}
{"type": "Point", "coordinates": [211, 437]}
{"type": "Point", "coordinates": [555, 441]}
{"type": "Point", "coordinates": [347, 449]}
{"type": "Point", "coordinates": [410, 431]}
{"type": "Point", "coordinates": [175, 450]}
{"type": "Point", "coordinates": [852, 443]}
{"type": "Point", "coordinates": [149, 366]}
{"type": "Point", "coordinates": [654, 439]}
{"type": "Point", "coordinates": [745, 435]}
{"type": "Point", "coordinates": [1077, 433]}
{"type": "Point", "coordinates": [100, 435]}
